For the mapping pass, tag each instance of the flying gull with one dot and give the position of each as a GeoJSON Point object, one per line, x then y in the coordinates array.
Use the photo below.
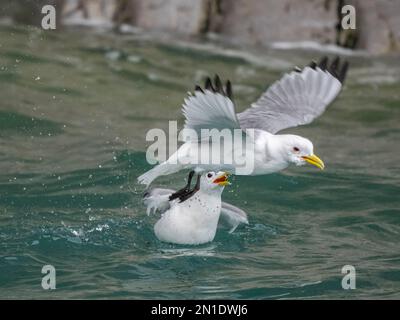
{"type": "Point", "coordinates": [296, 99]}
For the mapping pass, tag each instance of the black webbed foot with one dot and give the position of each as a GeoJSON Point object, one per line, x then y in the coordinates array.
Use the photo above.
{"type": "Point", "coordinates": [189, 194]}
{"type": "Point", "coordinates": [184, 190]}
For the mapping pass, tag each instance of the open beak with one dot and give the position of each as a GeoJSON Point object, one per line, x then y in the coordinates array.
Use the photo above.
{"type": "Point", "coordinates": [222, 180]}
{"type": "Point", "coordinates": [315, 161]}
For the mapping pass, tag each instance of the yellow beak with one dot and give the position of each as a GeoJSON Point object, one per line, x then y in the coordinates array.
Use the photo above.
{"type": "Point", "coordinates": [315, 161]}
{"type": "Point", "coordinates": [222, 180]}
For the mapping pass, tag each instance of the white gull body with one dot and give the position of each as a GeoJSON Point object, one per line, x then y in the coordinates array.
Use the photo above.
{"type": "Point", "coordinates": [195, 220]}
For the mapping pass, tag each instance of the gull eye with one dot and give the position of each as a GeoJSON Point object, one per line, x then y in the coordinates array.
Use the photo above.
{"type": "Point", "coordinates": [295, 149]}
{"type": "Point", "coordinates": [209, 175]}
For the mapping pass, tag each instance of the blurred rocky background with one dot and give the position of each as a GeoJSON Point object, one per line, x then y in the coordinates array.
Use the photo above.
{"type": "Point", "coordinates": [244, 22]}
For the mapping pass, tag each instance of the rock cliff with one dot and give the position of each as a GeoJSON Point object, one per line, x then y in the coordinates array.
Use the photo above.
{"type": "Point", "coordinates": [255, 22]}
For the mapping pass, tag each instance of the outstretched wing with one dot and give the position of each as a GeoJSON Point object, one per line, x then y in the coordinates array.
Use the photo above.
{"type": "Point", "coordinates": [210, 108]}
{"type": "Point", "coordinates": [232, 216]}
{"type": "Point", "coordinates": [157, 199]}
{"type": "Point", "coordinates": [296, 99]}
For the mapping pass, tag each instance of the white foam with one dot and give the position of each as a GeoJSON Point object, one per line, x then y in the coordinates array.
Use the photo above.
{"type": "Point", "coordinates": [312, 45]}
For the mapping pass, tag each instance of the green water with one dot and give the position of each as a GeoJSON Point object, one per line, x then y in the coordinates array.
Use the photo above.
{"type": "Point", "coordinates": [75, 108]}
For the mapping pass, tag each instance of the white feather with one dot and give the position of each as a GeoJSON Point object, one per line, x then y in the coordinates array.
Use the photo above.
{"type": "Point", "coordinates": [296, 99]}
{"type": "Point", "coordinates": [209, 110]}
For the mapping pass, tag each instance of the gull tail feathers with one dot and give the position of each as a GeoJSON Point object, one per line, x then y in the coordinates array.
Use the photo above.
{"type": "Point", "coordinates": [162, 169]}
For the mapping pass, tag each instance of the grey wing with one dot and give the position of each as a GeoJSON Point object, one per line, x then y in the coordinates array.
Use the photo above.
{"type": "Point", "coordinates": [210, 108]}
{"type": "Point", "coordinates": [157, 199]}
{"type": "Point", "coordinates": [296, 99]}
{"type": "Point", "coordinates": [232, 216]}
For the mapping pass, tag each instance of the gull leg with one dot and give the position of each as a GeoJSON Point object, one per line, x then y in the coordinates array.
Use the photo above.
{"type": "Point", "coordinates": [197, 186]}
{"type": "Point", "coordinates": [184, 190]}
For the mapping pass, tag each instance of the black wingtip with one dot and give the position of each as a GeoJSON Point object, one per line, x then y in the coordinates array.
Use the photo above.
{"type": "Point", "coordinates": [336, 68]}
{"type": "Point", "coordinates": [216, 86]}
{"type": "Point", "coordinates": [198, 88]}
{"type": "Point", "coordinates": [333, 68]}
{"type": "Point", "coordinates": [323, 63]}
{"type": "Point", "coordinates": [343, 71]}
{"type": "Point", "coordinates": [335, 62]}
{"type": "Point", "coordinates": [228, 90]}
{"type": "Point", "coordinates": [208, 84]}
{"type": "Point", "coordinates": [313, 65]}
{"type": "Point", "coordinates": [297, 69]}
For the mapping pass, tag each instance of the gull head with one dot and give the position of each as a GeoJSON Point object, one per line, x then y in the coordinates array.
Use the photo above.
{"type": "Point", "coordinates": [299, 151]}
{"type": "Point", "coordinates": [214, 182]}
